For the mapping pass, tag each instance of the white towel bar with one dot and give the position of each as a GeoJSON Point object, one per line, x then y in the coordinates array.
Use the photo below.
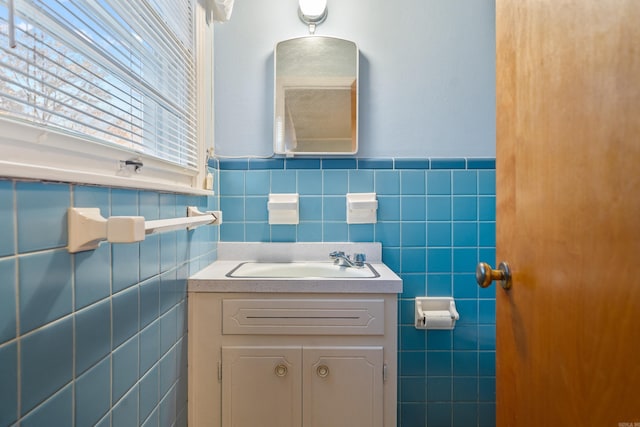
{"type": "Point", "coordinates": [87, 228]}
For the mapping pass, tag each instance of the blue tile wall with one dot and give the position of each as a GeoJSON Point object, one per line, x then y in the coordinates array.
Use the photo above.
{"type": "Point", "coordinates": [97, 337]}
{"type": "Point", "coordinates": [7, 299]}
{"type": "Point", "coordinates": [9, 383]}
{"type": "Point", "coordinates": [436, 220]}
{"type": "Point", "coordinates": [45, 288]}
{"type": "Point", "coordinates": [41, 220]}
{"type": "Point", "coordinates": [7, 221]}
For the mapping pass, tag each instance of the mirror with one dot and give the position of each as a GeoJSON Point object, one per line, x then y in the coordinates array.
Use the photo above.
{"type": "Point", "coordinates": [316, 96]}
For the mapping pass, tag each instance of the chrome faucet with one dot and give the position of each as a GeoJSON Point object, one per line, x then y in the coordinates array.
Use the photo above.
{"type": "Point", "coordinates": [345, 260]}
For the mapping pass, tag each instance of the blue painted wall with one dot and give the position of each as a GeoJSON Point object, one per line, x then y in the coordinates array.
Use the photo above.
{"type": "Point", "coordinates": [436, 219]}
{"type": "Point", "coordinates": [427, 74]}
{"type": "Point", "coordinates": [98, 337]}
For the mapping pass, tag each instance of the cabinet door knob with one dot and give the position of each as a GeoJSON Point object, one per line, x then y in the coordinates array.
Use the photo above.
{"type": "Point", "coordinates": [322, 371]}
{"type": "Point", "coordinates": [281, 370]}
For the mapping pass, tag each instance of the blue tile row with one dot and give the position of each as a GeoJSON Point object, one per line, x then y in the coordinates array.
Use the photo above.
{"type": "Point", "coordinates": [446, 389]}
{"type": "Point", "coordinates": [446, 414]}
{"type": "Point", "coordinates": [426, 364]}
{"type": "Point", "coordinates": [356, 163]}
{"type": "Point", "coordinates": [412, 339]}
{"type": "Point", "coordinates": [327, 222]}
{"type": "Point", "coordinates": [340, 182]}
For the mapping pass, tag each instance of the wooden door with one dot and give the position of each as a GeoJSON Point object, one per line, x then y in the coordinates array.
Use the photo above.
{"type": "Point", "coordinates": [342, 387]}
{"type": "Point", "coordinates": [261, 386]}
{"type": "Point", "coordinates": [568, 212]}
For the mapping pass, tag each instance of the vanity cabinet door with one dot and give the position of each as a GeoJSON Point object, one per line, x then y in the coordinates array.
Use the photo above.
{"type": "Point", "coordinates": [343, 386]}
{"type": "Point", "coordinates": [261, 386]}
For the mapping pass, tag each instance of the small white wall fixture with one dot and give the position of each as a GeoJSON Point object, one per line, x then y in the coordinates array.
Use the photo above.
{"type": "Point", "coordinates": [362, 208]}
{"type": "Point", "coordinates": [283, 208]}
{"type": "Point", "coordinates": [435, 313]}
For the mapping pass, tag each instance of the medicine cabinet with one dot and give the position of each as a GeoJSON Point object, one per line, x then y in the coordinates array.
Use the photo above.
{"type": "Point", "coordinates": [316, 96]}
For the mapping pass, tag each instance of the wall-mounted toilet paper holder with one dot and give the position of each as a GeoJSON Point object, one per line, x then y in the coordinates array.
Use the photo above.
{"type": "Point", "coordinates": [435, 313]}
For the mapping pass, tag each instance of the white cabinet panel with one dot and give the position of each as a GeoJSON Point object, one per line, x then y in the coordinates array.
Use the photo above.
{"type": "Point", "coordinates": [303, 316]}
{"type": "Point", "coordinates": [343, 387]}
{"type": "Point", "coordinates": [261, 386]}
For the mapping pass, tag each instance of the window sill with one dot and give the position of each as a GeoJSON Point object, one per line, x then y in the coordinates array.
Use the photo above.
{"type": "Point", "coordinates": [29, 172]}
{"type": "Point", "coordinates": [34, 153]}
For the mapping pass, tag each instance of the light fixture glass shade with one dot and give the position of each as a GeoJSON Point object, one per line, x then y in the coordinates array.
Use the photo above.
{"type": "Point", "coordinates": [312, 11]}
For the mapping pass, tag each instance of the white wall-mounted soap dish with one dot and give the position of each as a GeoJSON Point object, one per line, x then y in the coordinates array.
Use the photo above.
{"type": "Point", "coordinates": [283, 208]}
{"type": "Point", "coordinates": [361, 208]}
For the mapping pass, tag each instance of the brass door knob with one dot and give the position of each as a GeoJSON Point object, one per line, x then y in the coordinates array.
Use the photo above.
{"type": "Point", "coordinates": [485, 275]}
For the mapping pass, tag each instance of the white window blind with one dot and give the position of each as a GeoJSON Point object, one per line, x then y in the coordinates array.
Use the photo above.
{"type": "Point", "coordinates": [115, 72]}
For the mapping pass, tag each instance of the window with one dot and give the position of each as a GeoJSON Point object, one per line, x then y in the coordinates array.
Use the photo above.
{"type": "Point", "coordinates": [92, 84]}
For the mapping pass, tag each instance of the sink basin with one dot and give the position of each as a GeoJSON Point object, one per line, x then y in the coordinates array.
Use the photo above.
{"type": "Point", "coordinates": [301, 269]}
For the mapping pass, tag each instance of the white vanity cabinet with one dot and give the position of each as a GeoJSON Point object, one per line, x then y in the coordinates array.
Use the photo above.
{"type": "Point", "coordinates": [280, 386]}
{"type": "Point", "coordinates": [292, 359]}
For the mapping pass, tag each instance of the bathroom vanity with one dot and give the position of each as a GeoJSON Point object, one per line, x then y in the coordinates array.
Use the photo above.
{"type": "Point", "coordinates": [294, 351]}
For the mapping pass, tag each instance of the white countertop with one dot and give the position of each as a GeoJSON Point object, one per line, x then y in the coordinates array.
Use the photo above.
{"type": "Point", "coordinates": [213, 278]}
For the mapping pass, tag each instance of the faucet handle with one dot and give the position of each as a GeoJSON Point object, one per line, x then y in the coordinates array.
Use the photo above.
{"type": "Point", "coordinates": [359, 259]}
{"type": "Point", "coordinates": [336, 254]}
